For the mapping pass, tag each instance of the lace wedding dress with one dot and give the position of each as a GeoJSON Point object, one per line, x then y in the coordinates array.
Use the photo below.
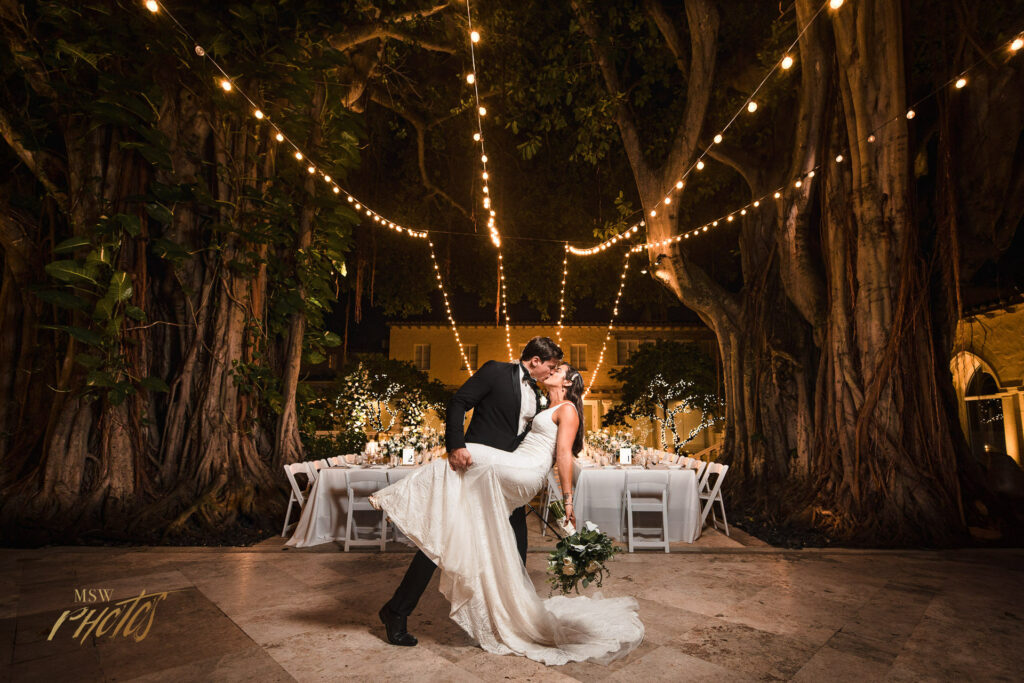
{"type": "Point", "coordinates": [460, 521]}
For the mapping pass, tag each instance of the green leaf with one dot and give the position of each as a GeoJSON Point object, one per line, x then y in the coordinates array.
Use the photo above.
{"type": "Point", "coordinates": [166, 249]}
{"type": "Point", "coordinates": [75, 51]}
{"type": "Point", "coordinates": [135, 313]}
{"type": "Point", "coordinates": [82, 334]}
{"type": "Point", "coordinates": [63, 299]}
{"type": "Point", "coordinates": [159, 212]}
{"type": "Point", "coordinates": [131, 224]}
{"type": "Point", "coordinates": [332, 339]}
{"type": "Point", "coordinates": [69, 271]}
{"type": "Point", "coordinates": [120, 288]}
{"type": "Point", "coordinates": [315, 357]}
{"type": "Point", "coordinates": [154, 383]}
{"type": "Point", "coordinates": [100, 378]}
{"type": "Point", "coordinates": [88, 360]}
{"type": "Point", "coordinates": [71, 244]}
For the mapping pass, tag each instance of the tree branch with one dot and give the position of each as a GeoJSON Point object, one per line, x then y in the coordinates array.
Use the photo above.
{"type": "Point", "coordinates": [744, 163]}
{"type": "Point", "coordinates": [702, 18]}
{"type": "Point", "coordinates": [623, 116]}
{"type": "Point", "coordinates": [35, 160]}
{"type": "Point", "coordinates": [656, 11]}
{"type": "Point", "coordinates": [364, 34]}
{"type": "Point", "coordinates": [421, 125]}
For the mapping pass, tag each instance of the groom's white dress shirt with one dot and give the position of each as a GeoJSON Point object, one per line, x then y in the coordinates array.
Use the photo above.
{"type": "Point", "coordinates": [528, 400]}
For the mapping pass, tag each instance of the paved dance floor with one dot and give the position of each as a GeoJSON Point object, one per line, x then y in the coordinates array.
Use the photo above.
{"type": "Point", "coordinates": [714, 611]}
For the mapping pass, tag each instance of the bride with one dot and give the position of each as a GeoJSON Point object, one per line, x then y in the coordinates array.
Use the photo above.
{"type": "Point", "coordinates": [460, 521]}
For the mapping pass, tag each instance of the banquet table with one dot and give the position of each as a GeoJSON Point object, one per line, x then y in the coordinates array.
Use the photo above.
{"type": "Point", "coordinates": [598, 499]}
{"type": "Point", "coordinates": [325, 513]}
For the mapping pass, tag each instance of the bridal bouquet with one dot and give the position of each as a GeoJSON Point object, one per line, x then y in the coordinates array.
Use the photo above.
{"type": "Point", "coordinates": [580, 556]}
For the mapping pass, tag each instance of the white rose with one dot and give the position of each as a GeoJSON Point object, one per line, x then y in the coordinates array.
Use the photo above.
{"type": "Point", "coordinates": [590, 526]}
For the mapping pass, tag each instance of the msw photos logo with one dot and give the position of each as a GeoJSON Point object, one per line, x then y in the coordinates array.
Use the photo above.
{"type": "Point", "coordinates": [102, 617]}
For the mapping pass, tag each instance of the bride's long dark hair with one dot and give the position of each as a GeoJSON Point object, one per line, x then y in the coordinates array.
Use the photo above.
{"type": "Point", "coordinates": [574, 393]}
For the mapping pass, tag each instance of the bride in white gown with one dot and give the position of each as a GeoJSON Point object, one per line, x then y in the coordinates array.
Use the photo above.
{"type": "Point", "coordinates": [460, 521]}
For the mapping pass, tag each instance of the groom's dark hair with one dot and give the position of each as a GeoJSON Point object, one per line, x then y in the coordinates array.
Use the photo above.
{"type": "Point", "coordinates": [542, 347]}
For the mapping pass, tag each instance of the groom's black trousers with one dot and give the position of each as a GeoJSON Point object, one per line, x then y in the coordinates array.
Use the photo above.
{"type": "Point", "coordinates": [417, 576]}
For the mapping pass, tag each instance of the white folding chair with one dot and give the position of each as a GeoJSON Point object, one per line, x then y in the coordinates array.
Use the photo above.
{"type": "Point", "coordinates": [337, 461]}
{"type": "Point", "coordinates": [711, 493]}
{"type": "Point", "coordinates": [700, 471]}
{"type": "Point", "coordinates": [646, 492]}
{"type": "Point", "coordinates": [298, 491]}
{"type": "Point", "coordinates": [361, 485]}
{"type": "Point", "coordinates": [553, 493]}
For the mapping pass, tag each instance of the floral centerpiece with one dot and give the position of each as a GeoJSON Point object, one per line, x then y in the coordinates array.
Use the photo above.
{"type": "Point", "coordinates": [420, 438]}
{"type": "Point", "coordinates": [579, 557]}
{"type": "Point", "coordinates": [609, 442]}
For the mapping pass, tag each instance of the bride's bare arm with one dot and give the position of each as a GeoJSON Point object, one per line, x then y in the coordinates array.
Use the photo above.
{"type": "Point", "coordinates": [568, 422]}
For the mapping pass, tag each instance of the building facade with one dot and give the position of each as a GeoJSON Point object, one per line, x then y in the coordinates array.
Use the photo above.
{"type": "Point", "coordinates": [432, 348]}
{"type": "Point", "coordinates": [988, 374]}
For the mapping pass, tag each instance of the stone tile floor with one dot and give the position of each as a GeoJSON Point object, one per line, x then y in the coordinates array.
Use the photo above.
{"type": "Point", "coordinates": [716, 610]}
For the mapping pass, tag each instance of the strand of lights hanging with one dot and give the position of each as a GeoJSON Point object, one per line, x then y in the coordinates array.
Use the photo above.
{"type": "Point", "coordinates": [561, 295]}
{"type": "Point", "coordinates": [478, 136]}
{"type": "Point", "coordinates": [749, 106]}
{"type": "Point", "coordinates": [504, 306]}
{"type": "Point", "coordinates": [611, 323]}
{"type": "Point", "coordinates": [957, 82]}
{"type": "Point", "coordinates": [448, 310]}
{"type": "Point", "coordinates": [228, 85]}
{"type": "Point", "coordinates": [608, 243]}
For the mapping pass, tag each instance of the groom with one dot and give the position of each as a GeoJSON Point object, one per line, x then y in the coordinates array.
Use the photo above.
{"type": "Point", "coordinates": [503, 398]}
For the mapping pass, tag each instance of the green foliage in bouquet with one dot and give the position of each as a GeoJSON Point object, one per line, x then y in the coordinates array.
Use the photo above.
{"type": "Point", "coordinates": [580, 558]}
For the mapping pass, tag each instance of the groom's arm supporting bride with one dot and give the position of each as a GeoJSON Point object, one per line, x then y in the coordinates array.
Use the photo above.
{"type": "Point", "coordinates": [468, 397]}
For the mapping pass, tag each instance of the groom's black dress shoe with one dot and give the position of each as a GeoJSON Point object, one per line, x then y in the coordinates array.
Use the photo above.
{"type": "Point", "coordinates": [394, 625]}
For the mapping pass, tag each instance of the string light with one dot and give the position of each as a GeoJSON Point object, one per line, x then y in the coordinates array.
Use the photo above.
{"type": "Point", "coordinates": [1017, 44]}
{"type": "Point", "coordinates": [448, 309]}
{"type": "Point", "coordinates": [911, 113]}
{"type": "Point", "coordinates": [718, 138]}
{"type": "Point", "coordinates": [625, 234]}
{"type": "Point", "coordinates": [561, 295]}
{"type": "Point", "coordinates": [611, 324]}
{"type": "Point", "coordinates": [279, 137]}
{"type": "Point", "coordinates": [152, 6]}
{"type": "Point", "coordinates": [225, 84]}
{"type": "Point", "coordinates": [787, 62]}
{"type": "Point", "coordinates": [504, 306]}
{"type": "Point", "coordinates": [961, 82]}
{"type": "Point", "coordinates": [478, 136]}
{"type": "Point", "coordinates": [835, 4]}
{"type": "Point", "coordinates": [752, 107]}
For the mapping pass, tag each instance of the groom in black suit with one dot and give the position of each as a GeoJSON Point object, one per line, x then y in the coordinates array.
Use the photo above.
{"type": "Point", "coordinates": [503, 398]}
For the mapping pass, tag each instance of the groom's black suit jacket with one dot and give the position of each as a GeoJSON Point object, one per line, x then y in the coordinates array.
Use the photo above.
{"type": "Point", "coordinates": [495, 393]}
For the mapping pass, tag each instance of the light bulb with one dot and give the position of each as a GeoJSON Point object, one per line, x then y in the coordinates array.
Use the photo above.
{"type": "Point", "coordinates": [787, 62]}
{"type": "Point", "coordinates": [961, 82]}
{"type": "Point", "coordinates": [225, 84]}
{"type": "Point", "coordinates": [911, 113]}
{"type": "Point", "coordinates": [729, 219]}
{"type": "Point", "coordinates": [778, 194]}
{"type": "Point", "coordinates": [476, 137]}
{"type": "Point", "coordinates": [470, 78]}
{"type": "Point", "coordinates": [279, 137]}
{"type": "Point", "coordinates": [668, 200]}
{"type": "Point", "coordinates": [351, 199]}
{"type": "Point", "coordinates": [298, 155]}
{"type": "Point", "coordinates": [653, 213]}
{"type": "Point", "coordinates": [679, 184]}
{"type": "Point", "coordinates": [337, 190]}
{"type": "Point", "coordinates": [700, 165]}
{"type": "Point", "coordinates": [835, 4]}
{"type": "Point", "coordinates": [810, 174]}
{"type": "Point", "coordinates": [757, 204]}
{"type": "Point", "coordinates": [839, 158]}
{"type": "Point", "coordinates": [152, 6]}
{"type": "Point", "coordinates": [752, 106]}
{"type": "Point", "coordinates": [475, 36]}
{"type": "Point", "coordinates": [718, 138]}
{"type": "Point", "coordinates": [1017, 44]}
{"type": "Point", "coordinates": [311, 169]}
{"type": "Point", "coordinates": [258, 114]}
{"type": "Point", "coordinates": [483, 158]}
{"type": "Point", "coordinates": [483, 111]}
{"type": "Point", "coordinates": [871, 138]}
{"type": "Point", "coordinates": [798, 183]}
{"type": "Point", "coordinates": [484, 175]}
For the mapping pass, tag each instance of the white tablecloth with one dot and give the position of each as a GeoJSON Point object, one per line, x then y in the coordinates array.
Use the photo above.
{"type": "Point", "coordinates": [598, 499]}
{"type": "Point", "coordinates": [325, 513]}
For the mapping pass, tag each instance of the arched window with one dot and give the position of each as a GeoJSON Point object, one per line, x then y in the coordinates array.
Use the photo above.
{"type": "Point", "coordinates": [984, 414]}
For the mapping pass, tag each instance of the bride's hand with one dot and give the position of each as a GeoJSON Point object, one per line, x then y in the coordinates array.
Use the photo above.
{"type": "Point", "coordinates": [570, 513]}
